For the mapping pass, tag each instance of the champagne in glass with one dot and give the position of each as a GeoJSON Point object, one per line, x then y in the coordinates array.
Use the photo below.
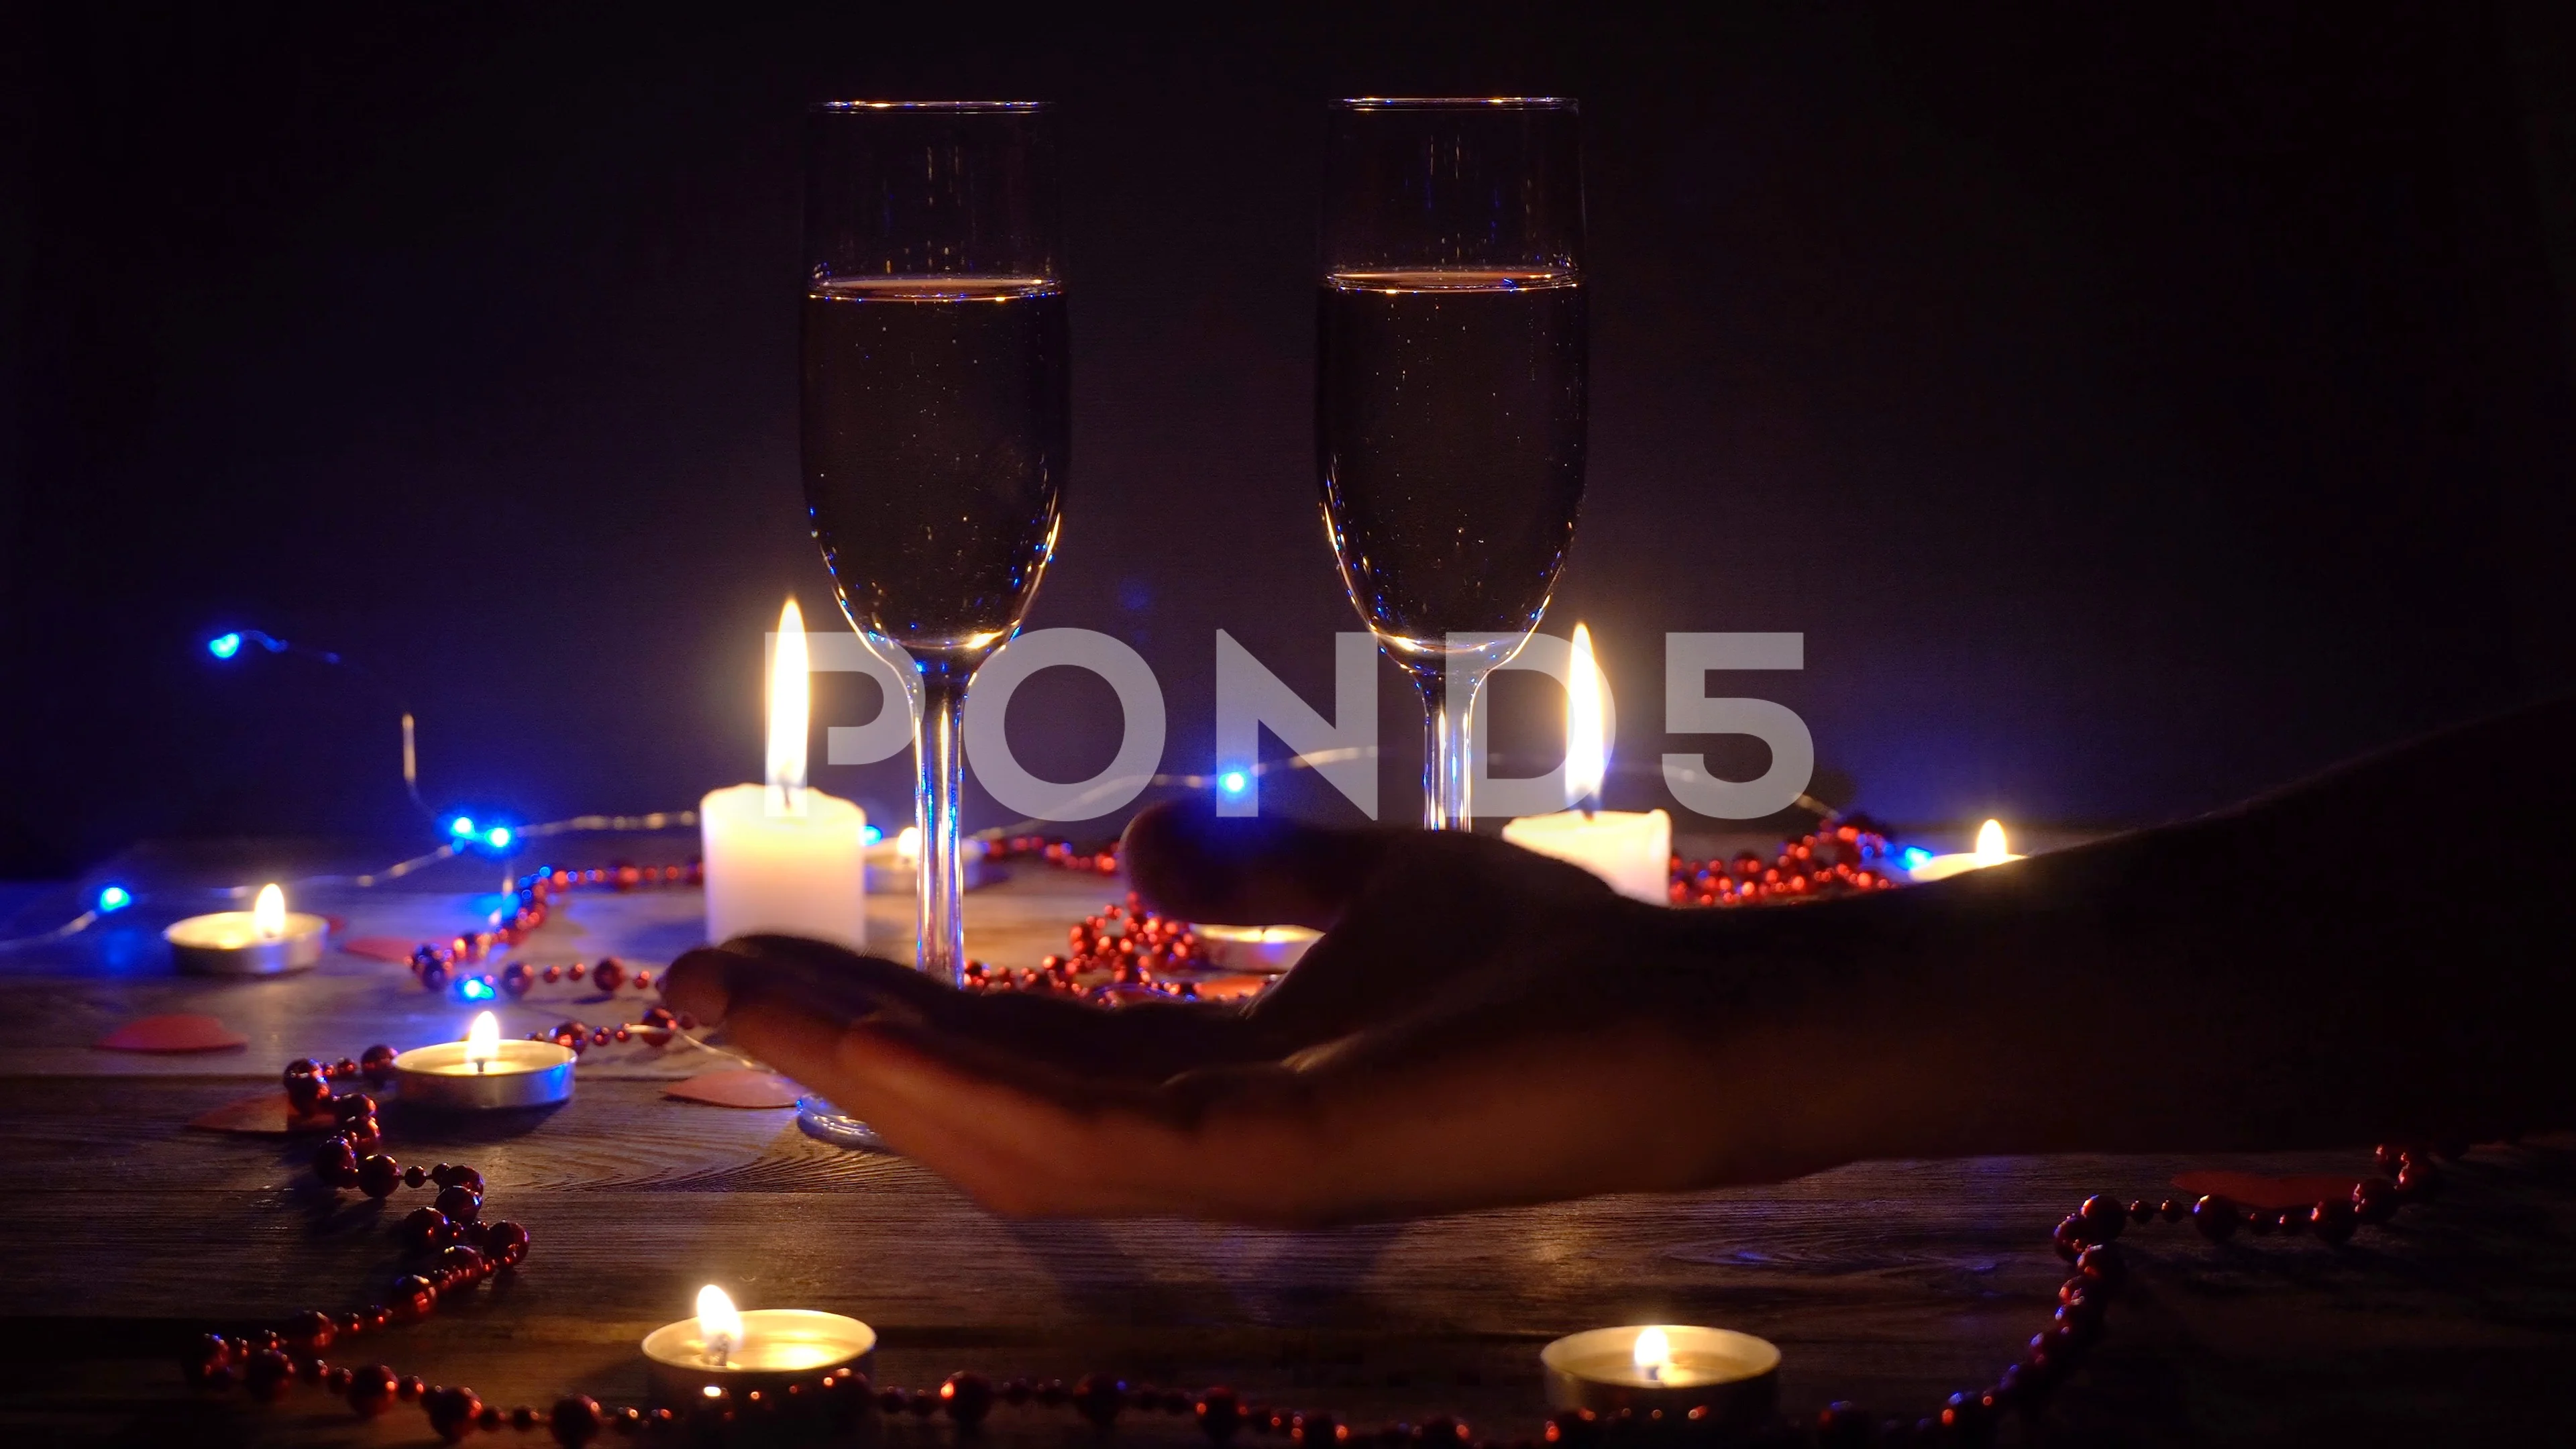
{"type": "Point", "coordinates": [935, 415]}
{"type": "Point", "coordinates": [1450, 390]}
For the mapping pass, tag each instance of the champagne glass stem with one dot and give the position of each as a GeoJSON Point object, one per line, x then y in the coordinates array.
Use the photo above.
{"type": "Point", "coordinates": [938, 751]}
{"type": "Point", "coordinates": [1448, 707]}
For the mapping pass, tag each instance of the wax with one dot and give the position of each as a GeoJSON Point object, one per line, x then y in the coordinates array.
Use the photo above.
{"type": "Point", "coordinates": [782, 873]}
{"type": "Point", "coordinates": [1632, 850]}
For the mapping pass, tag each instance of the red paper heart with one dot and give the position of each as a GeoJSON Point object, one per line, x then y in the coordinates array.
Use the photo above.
{"type": "Point", "coordinates": [183, 1032]}
{"type": "Point", "coordinates": [266, 1115]}
{"type": "Point", "coordinates": [737, 1087]}
{"type": "Point", "coordinates": [381, 948]}
{"type": "Point", "coordinates": [2248, 1189]}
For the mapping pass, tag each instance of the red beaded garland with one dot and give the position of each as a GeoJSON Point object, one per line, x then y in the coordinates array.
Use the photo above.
{"type": "Point", "coordinates": [467, 1250]}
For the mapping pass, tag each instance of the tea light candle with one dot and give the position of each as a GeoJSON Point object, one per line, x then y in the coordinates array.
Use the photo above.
{"type": "Point", "coordinates": [1668, 1367]}
{"type": "Point", "coordinates": [1630, 850]}
{"type": "Point", "coordinates": [780, 857]}
{"type": "Point", "coordinates": [1992, 849]}
{"type": "Point", "coordinates": [266, 940]}
{"type": "Point", "coordinates": [483, 1073]}
{"type": "Point", "coordinates": [726, 1351]}
{"type": "Point", "coordinates": [1257, 949]}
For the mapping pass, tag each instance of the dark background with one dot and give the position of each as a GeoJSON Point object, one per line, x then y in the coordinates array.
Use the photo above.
{"type": "Point", "coordinates": [2134, 409]}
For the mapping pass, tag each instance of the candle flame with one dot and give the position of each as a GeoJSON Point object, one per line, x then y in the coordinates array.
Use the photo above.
{"type": "Point", "coordinates": [907, 844]}
{"type": "Point", "coordinates": [719, 1326]}
{"type": "Point", "coordinates": [1992, 847]}
{"type": "Point", "coordinates": [790, 689]}
{"type": "Point", "coordinates": [1653, 1353]}
{"type": "Point", "coordinates": [1587, 753]}
{"type": "Point", "coordinates": [268, 913]}
{"type": "Point", "coordinates": [482, 1040]}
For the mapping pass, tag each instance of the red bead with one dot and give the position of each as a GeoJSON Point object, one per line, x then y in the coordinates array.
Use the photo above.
{"type": "Point", "coordinates": [451, 1411]}
{"type": "Point", "coordinates": [2215, 1217]}
{"type": "Point", "coordinates": [268, 1374]}
{"type": "Point", "coordinates": [517, 977]}
{"type": "Point", "coordinates": [643, 981]}
{"type": "Point", "coordinates": [415, 1175]}
{"type": "Point", "coordinates": [337, 1380]}
{"type": "Point", "coordinates": [371, 1390]}
{"type": "Point", "coordinates": [2418, 1181]}
{"type": "Point", "coordinates": [1220, 1413]}
{"type": "Point", "coordinates": [576, 970]}
{"type": "Point", "coordinates": [378, 1175]}
{"type": "Point", "coordinates": [409, 1388]}
{"type": "Point", "coordinates": [2103, 1217]}
{"type": "Point", "coordinates": [336, 1162]}
{"type": "Point", "coordinates": [2102, 1264]}
{"type": "Point", "coordinates": [609, 974]}
{"type": "Point", "coordinates": [376, 1062]}
{"type": "Point", "coordinates": [463, 1265]}
{"type": "Point", "coordinates": [311, 1331]}
{"type": "Point", "coordinates": [1099, 1399]}
{"type": "Point", "coordinates": [1843, 1426]}
{"type": "Point", "coordinates": [209, 1362]}
{"type": "Point", "coordinates": [2333, 1222]}
{"type": "Point", "coordinates": [553, 974]}
{"type": "Point", "coordinates": [1319, 1431]}
{"type": "Point", "coordinates": [505, 1243]}
{"type": "Point", "coordinates": [575, 1421]}
{"type": "Point", "coordinates": [2173, 1210]}
{"type": "Point", "coordinates": [307, 1093]}
{"type": "Point", "coordinates": [1443, 1432]}
{"type": "Point", "coordinates": [490, 1417]}
{"type": "Point", "coordinates": [967, 1397]}
{"type": "Point", "coordinates": [344, 1069]}
{"type": "Point", "coordinates": [414, 1298]}
{"type": "Point", "coordinates": [460, 1202]}
{"type": "Point", "coordinates": [2374, 1200]}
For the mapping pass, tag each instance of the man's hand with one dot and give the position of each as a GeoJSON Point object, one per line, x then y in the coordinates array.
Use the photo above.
{"type": "Point", "coordinates": [1468, 1032]}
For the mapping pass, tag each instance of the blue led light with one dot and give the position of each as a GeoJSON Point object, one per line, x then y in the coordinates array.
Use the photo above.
{"type": "Point", "coordinates": [1234, 781]}
{"type": "Point", "coordinates": [461, 825]}
{"type": "Point", "coordinates": [870, 835]}
{"type": "Point", "coordinates": [474, 988]}
{"type": "Point", "coordinates": [114, 898]}
{"type": "Point", "coordinates": [499, 837]}
{"type": "Point", "coordinates": [224, 646]}
{"type": "Point", "coordinates": [1912, 857]}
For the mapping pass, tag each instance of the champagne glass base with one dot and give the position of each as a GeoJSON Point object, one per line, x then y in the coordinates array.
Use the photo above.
{"type": "Point", "coordinates": [823, 1122]}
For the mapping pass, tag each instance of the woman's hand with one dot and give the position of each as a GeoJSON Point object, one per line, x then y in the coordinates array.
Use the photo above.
{"type": "Point", "coordinates": [1479, 1025]}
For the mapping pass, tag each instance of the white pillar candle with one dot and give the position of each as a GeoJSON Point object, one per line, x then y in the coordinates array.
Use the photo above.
{"type": "Point", "coordinates": [1631, 850]}
{"type": "Point", "coordinates": [782, 858]}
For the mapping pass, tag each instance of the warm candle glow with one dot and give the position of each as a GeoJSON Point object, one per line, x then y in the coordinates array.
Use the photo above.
{"type": "Point", "coordinates": [482, 1040]}
{"type": "Point", "coordinates": [1653, 1353]}
{"type": "Point", "coordinates": [719, 1326]}
{"type": "Point", "coordinates": [1587, 754]}
{"type": "Point", "coordinates": [1992, 848]}
{"type": "Point", "coordinates": [268, 914]}
{"type": "Point", "coordinates": [789, 704]}
{"type": "Point", "coordinates": [907, 844]}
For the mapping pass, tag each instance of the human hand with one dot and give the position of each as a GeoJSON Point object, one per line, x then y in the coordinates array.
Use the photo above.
{"type": "Point", "coordinates": [1478, 1025]}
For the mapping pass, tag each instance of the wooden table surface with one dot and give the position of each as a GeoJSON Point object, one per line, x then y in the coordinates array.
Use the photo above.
{"type": "Point", "coordinates": [1887, 1283]}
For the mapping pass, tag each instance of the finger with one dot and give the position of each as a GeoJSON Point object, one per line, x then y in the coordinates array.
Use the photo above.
{"type": "Point", "coordinates": [1188, 862]}
{"type": "Point", "coordinates": [1151, 1040]}
{"type": "Point", "coordinates": [1445, 1122]}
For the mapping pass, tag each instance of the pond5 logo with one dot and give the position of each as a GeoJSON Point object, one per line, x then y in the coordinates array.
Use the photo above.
{"type": "Point", "coordinates": [1341, 748]}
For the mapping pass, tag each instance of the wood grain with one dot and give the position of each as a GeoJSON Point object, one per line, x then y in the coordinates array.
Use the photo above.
{"type": "Point", "coordinates": [1892, 1283]}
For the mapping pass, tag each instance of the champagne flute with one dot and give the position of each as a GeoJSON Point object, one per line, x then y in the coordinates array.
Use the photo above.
{"type": "Point", "coordinates": [935, 411]}
{"type": "Point", "coordinates": [1449, 411]}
